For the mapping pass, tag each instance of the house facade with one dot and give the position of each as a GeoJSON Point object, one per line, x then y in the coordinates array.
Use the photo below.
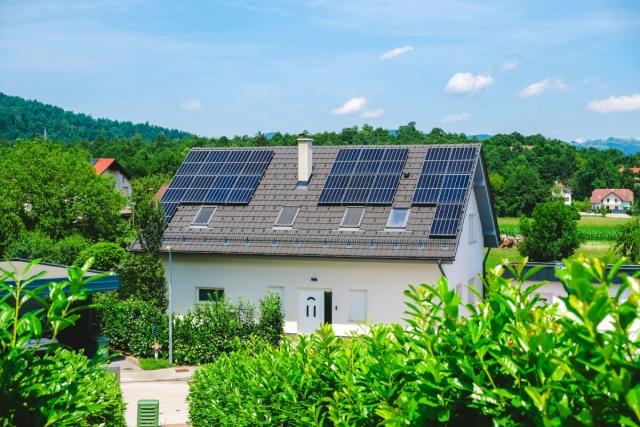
{"type": "Point", "coordinates": [338, 232]}
{"type": "Point", "coordinates": [614, 199]}
{"type": "Point", "coordinates": [559, 191]}
{"type": "Point", "coordinates": [113, 168]}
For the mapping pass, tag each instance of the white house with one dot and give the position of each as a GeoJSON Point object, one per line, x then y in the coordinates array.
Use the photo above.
{"type": "Point", "coordinates": [560, 191]}
{"type": "Point", "coordinates": [338, 232]}
{"type": "Point", "coordinates": [614, 199]}
{"type": "Point", "coordinates": [113, 168]}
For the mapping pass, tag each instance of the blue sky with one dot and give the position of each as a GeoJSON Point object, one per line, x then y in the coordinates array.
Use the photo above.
{"type": "Point", "coordinates": [565, 69]}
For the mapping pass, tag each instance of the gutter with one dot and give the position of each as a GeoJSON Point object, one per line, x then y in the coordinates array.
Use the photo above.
{"type": "Point", "coordinates": [484, 272]}
{"type": "Point", "coordinates": [441, 269]}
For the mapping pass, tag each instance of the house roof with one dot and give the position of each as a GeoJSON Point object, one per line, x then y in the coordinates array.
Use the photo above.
{"type": "Point", "coordinates": [249, 229]}
{"type": "Point", "coordinates": [102, 164]}
{"type": "Point", "coordinates": [634, 169]}
{"type": "Point", "coordinates": [599, 194]}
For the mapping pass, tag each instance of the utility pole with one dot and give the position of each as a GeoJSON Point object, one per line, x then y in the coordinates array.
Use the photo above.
{"type": "Point", "coordinates": [170, 308]}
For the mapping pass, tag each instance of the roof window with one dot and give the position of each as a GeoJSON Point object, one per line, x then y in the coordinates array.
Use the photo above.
{"type": "Point", "coordinates": [352, 217]}
{"type": "Point", "coordinates": [287, 216]}
{"type": "Point", "coordinates": [398, 218]}
{"type": "Point", "coordinates": [203, 216]}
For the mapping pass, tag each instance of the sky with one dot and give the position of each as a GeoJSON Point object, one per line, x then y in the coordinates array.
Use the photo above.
{"type": "Point", "coordinates": [565, 69]}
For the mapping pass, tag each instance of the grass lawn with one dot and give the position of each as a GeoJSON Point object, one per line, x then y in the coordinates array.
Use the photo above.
{"type": "Point", "coordinates": [600, 249]}
{"type": "Point", "coordinates": [151, 364]}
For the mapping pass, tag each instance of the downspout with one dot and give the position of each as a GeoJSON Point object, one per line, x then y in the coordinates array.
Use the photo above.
{"type": "Point", "coordinates": [441, 269]}
{"type": "Point", "coordinates": [484, 272]}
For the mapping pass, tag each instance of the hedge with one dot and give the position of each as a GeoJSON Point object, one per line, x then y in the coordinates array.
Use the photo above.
{"type": "Point", "coordinates": [513, 361]}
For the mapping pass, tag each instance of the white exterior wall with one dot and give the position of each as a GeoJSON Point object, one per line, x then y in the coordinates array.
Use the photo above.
{"type": "Point", "coordinates": [384, 281]}
{"type": "Point", "coordinates": [122, 183]}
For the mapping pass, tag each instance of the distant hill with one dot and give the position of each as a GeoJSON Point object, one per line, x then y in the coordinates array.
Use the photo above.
{"type": "Point", "coordinates": [627, 146]}
{"type": "Point", "coordinates": [21, 118]}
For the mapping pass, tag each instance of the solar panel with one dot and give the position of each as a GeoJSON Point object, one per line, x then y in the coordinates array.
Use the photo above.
{"type": "Point", "coordinates": [216, 176]}
{"type": "Point", "coordinates": [364, 176]}
{"type": "Point", "coordinates": [444, 182]}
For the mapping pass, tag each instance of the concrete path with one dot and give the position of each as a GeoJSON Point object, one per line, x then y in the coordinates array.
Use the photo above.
{"type": "Point", "coordinates": [170, 386]}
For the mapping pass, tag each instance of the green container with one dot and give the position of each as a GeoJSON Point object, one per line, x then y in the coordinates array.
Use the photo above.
{"type": "Point", "coordinates": [148, 413]}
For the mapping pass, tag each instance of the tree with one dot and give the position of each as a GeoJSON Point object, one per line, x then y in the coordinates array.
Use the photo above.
{"type": "Point", "coordinates": [56, 191]}
{"type": "Point", "coordinates": [628, 242]}
{"type": "Point", "coordinates": [552, 234]}
{"type": "Point", "coordinates": [523, 189]}
{"type": "Point", "coordinates": [107, 256]}
{"type": "Point", "coordinates": [150, 223]}
{"type": "Point", "coordinates": [142, 277]}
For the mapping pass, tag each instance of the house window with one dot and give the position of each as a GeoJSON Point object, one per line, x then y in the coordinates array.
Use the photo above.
{"type": "Point", "coordinates": [203, 216]}
{"type": "Point", "coordinates": [287, 216]}
{"type": "Point", "coordinates": [358, 312]}
{"type": "Point", "coordinates": [210, 294]}
{"type": "Point", "coordinates": [398, 218]}
{"type": "Point", "coordinates": [352, 217]}
{"type": "Point", "coordinates": [472, 228]}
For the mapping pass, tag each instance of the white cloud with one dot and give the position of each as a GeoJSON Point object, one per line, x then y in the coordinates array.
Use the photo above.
{"type": "Point", "coordinates": [394, 53]}
{"type": "Point", "coordinates": [455, 118]}
{"type": "Point", "coordinates": [372, 113]}
{"type": "Point", "coordinates": [537, 88]}
{"type": "Point", "coordinates": [467, 82]}
{"type": "Point", "coordinates": [191, 105]}
{"type": "Point", "coordinates": [511, 65]}
{"type": "Point", "coordinates": [616, 104]}
{"type": "Point", "coordinates": [352, 106]}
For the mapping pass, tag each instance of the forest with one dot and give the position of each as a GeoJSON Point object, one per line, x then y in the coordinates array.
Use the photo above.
{"type": "Point", "coordinates": [522, 168]}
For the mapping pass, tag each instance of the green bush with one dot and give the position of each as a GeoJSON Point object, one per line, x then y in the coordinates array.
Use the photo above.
{"type": "Point", "coordinates": [30, 245]}
{"type": "Point", "coordinates": [106, 256]}
{"type": "Point", "coordinates": [48, 385]}
{"type": "Point", "coordinates": [130, 324]}
{"type": "Point", "coordinates": [66, 251]}
{"type": "Point", "coordinates": [271, 321]}
{"type": "Point", "coordinates": [628, 241]}
{"type": "Point", "coordinates": [142, 277]}
{"type": "Point", "coordinates": [552, 234]}
{"type": "Point", "coordinates": [515, 360]}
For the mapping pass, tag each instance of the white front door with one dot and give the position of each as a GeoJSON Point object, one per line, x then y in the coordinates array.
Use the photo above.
{"type": "Point", "coordinates": [311, 313]}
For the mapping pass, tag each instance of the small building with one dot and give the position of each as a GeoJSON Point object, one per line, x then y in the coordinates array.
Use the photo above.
{"type": "Point", "coordinates": [112, 167]}
{"type": "Point", "coordinates": [338, 232]}
{"type": "Point", "coordinates": [83, 334]}
{"type": "Point", "coordinates": [617, 200]}
{"type": "Point", "coordinates": [560, 191]}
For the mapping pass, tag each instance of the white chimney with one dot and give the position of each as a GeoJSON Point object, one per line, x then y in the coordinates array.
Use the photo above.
{"type": "Point", "coordinates": [305, 159]}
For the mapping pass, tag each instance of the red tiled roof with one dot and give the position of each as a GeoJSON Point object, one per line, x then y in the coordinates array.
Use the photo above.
{"type": "Point", "coordinates": [623, 194]}
{"type": "Point", "coordinates": [634, 170]}
{"type": "Point", "coordinates": [160, 192]}
{"type": "Point", "coordinates": [102, 164]}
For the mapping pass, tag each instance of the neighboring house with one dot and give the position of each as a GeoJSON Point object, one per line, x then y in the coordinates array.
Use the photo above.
{"type": "Point", "coordinates": [614, 199]}
{"type": "Point", "coordinates": [113, 168]}
{"type": "Point", "coordinates": [338, 232]}
{"type": "Point", "coordinates": [560, 191]}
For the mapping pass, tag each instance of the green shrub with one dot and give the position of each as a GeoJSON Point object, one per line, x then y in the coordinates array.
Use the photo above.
{"type": "Point", "coordinates": [49, 386]}
{"type": "Point", "coordinates": [210, 329]}
{"type": "Point", "coordinates": [30, 245]}
{"type": "Point", "coordinates": [66, 251]}
{"type": "Point", "coordinates": [142, 277]}
{"type": "Point", "coordinates": [628, 241]}
{"type": "Point", "coordinates": [514, 360]}
{"type": "Point", "coordinates": [106, 256]}
{"type": "Point", "coordinates": [271, 321]}
{"type": "Point", "coordinates": [150, 364]}
{"type": "Point", "coordinates": [552, 234]}
{"type": "Point", "coordinates": [130, 324]}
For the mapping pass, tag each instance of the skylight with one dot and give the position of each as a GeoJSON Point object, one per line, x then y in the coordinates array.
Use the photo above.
{"type": "Point", "coordinates": [398, 218]}
{"type": "Point", "coordinates": [287, 216]}
{"type": "Point", "coordinates": [203, 216]}
{"type": "Point", "coordinates": [352, 217]}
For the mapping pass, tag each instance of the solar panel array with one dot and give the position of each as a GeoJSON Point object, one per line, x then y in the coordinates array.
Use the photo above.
{"type": "Point", "coordinates": [444, 182]}
{"type": "Point", "coordinates": [217, 177]}
{"type": "Point", "coordinates": [364, 176]}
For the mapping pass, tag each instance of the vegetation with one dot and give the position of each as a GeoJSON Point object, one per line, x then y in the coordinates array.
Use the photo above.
{"type": "Point", "coordinates": [552, 233]}
{"type": "Point", "coordinates": [45, 384]}
{"type": "Point", "coordinates": [151, 364]}
{"type": "Point", "coordinates": [628, 241]}
{"type": "Point", "coordinates": [21, 118]}
{"type": "Point", "coordinates": [201, 335]}
{"type": "Point", "coordinates": [515, 360]}
{"type": "Point", "coordinates": [590, 228]}
{"type": "Point", "coordinates": [107, 256]}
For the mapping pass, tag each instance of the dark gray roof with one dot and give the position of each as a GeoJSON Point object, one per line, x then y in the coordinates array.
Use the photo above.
{"type": "Point", "coordinates": [249, 229]}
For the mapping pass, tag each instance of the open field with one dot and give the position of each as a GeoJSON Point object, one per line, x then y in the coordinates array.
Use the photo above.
{"type": "Point", "coordinates": [600, 249]}
{"type": "Point", "coordinates": [590, 228]}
